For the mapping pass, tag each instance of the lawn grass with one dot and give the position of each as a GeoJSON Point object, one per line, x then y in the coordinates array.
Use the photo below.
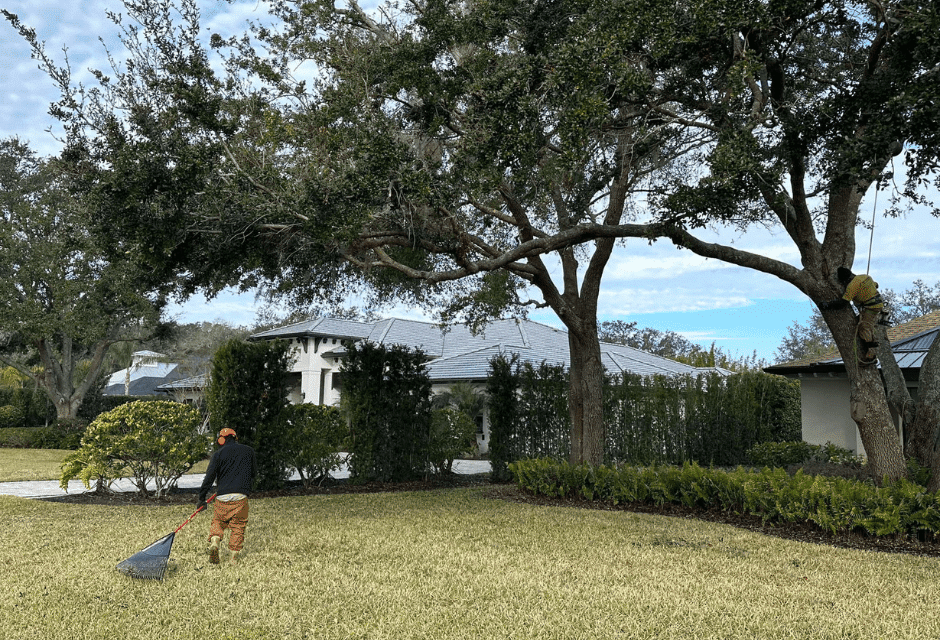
{"type": "Point", "coordinates": [18, 465]}
{"type": "Point", "coordinates": [445, 564]}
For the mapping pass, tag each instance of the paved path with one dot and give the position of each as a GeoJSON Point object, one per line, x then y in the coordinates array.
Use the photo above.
{"type": "Point", "coordinates": [51, 489]}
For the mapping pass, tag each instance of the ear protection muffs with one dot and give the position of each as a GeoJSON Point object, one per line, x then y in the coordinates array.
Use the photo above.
{"type": "Point", "coordinates": [224, 433]}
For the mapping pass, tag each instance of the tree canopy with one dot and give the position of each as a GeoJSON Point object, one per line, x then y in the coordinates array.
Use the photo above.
{"type": "Point", "coordinates": [489, 150]}
{"type": "Point", "coordinates": [62, 303]}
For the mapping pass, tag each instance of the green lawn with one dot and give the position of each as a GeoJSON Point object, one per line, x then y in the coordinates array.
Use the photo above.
{"type": "Point", "coordinates": [30, 464]}
{"type": "Point", "coordinates": [17, 465]}
{"type": "Point", "coordinates": [445, 564]}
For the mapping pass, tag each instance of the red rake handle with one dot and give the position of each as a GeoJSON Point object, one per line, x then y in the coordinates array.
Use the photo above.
{"type": "Point", "coordinates": [211, 498]}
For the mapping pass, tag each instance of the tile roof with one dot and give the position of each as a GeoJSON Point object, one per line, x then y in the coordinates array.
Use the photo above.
{"type": "Point", "coordinates": [195, 382]}
{"type": "Point", "coordinates": [910, 342]}
{"type": "Point", "coordinates": [459, 354]}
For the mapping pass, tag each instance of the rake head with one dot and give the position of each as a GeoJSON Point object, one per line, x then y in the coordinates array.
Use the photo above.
{"type": "Point", "coordinates": [150, 563]}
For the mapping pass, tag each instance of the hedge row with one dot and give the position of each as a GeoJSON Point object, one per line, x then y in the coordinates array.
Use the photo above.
{"type": "Point", "coordinates": [60, 435]}
{"type": "Point", "coordinates": [710, 419]}
{"type": "Point", "coordinates": [837, 505]}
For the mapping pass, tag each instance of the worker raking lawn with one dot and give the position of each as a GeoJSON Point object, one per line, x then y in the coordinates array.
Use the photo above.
{"type": "Point", "coordinates": [233, 469]}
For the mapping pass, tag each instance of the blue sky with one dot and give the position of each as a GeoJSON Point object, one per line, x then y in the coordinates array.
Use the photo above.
{"type": "Point", "coordinates": [741, 311]}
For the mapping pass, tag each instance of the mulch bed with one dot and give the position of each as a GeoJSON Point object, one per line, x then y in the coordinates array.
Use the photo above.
{"type": "Point", "coordinates": [803, 532]}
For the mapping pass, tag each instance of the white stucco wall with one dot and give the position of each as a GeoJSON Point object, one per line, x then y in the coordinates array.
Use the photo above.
{"type": "Point", "coordinates": [312, 365]}
{"type": "Point", "coordinates": [825, 413]}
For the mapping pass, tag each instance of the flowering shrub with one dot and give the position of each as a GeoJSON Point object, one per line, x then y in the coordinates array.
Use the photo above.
{"type": "Point", "coordinates": [154, 441]}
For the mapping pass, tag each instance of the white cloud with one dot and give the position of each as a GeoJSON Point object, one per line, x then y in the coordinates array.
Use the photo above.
{"type": "Point", "coordinates": [626, 302]}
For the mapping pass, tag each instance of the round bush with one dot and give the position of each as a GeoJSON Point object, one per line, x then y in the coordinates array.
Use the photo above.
{"type": "Point", "coordinates": [10, 417]}
{"type": "Point", "coordinates": [156, 441]}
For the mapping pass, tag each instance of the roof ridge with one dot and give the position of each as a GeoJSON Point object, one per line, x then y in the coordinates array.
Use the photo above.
{"type": "Point", "coordinates": [465, 353]}
{"type": "Point", "coordinates": [651, 364]}
{"type": "Point", "coordinates": [388, 328]}
{"type": "Point", "coordinates": [522, 332]}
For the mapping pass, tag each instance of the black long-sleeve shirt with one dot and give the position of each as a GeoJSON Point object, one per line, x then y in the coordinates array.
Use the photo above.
{"type": "Point", "coordinates": [233, 467]}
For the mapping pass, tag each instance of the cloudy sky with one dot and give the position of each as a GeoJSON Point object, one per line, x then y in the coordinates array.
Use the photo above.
{"type": "Point", "coordinates": [657, 286]}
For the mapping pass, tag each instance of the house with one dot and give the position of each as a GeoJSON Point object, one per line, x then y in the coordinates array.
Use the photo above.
{"type": "Point", "coordinates": [186, 390]}
{"type": "Point", "coordinates": [455, 354]}
{"type": "Point", "coordinates": [824, 385]}
{"type": "Point", "coordinates": [144, 375]}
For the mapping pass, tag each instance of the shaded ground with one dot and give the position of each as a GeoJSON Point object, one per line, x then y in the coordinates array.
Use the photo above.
{"type": "Point", "coordinates": [803, 532]}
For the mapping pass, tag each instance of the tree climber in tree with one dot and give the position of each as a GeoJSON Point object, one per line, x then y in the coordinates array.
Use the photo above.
{"type": "Point", "coordinates": [862, 291]}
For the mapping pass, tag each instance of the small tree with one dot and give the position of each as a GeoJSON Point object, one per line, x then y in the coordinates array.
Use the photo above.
{"type": "Point", "coordinates": [387, 395]}
{"type": "Point", "coordinates": [453, 433]}
{"type": "Point", "coordinates": [155, 441]}
{"type": "Point", "coordinates": [247, 392]}
{"type": "Point", "coordinates": [314, 435]}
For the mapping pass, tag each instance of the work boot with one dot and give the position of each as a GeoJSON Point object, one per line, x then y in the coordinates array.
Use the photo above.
{"type": "Point", "coordinates": [214, 549]}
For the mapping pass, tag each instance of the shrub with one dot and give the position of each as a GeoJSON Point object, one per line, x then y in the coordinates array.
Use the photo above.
{"type": "Point", "coordinates": [780, 454]}
{"type": "Point", "coordinates": [64, 433]}
{"type": "Point", "coordinates": [247, 392]}
{"type": "Point", "coordinates": [314, 435]}
{"type": "Point", "coordinates": [502, 387]}
{"type": "Point", "coordinates": [833, 504]}
{"type": "Point", "coordinates": [387, 396]}
{"type": "Point", "coordinates": [453, 433]}
{"type": "Point", "coordinates": [783, 454]}
{"type": "Point", "coordinates": [10, 417]}
{"type": "Point", "coordinates": [155, 441]}
{"type": "Point", "coordinates": [23, 437]}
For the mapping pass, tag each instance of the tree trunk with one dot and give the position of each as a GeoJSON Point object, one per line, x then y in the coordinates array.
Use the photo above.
{"type": "Point", "coordinates": [868, 401]}
{"type": "Point", "coordinates": [586, 400]}
{"type": "Point", "coordinates": [869, 408]}
{"type": "Point", "coordinates": [899, 398]}
{"type": "Point", "coordinates": [925, 428]}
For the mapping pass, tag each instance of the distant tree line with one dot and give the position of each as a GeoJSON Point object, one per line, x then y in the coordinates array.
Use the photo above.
{"type": "Point", "coordinates": [670, 344]}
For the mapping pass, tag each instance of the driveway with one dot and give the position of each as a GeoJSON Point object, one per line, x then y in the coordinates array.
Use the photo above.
{"type": "Point", "coordinates": [51, 489]}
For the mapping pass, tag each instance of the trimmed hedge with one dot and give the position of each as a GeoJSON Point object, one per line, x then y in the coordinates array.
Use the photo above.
{"type": "Point", "coordinates": [781, 454]}
{"type": "Point", "coordinates": [837, 505]}
{"type": "Point", "coordinates": [710, 419]}
{"type": "Point", "coordinates": [63, 434]}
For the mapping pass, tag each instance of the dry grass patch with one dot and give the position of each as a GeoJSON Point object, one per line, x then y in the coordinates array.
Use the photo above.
{"type": "Point", "coordinates": [446, 564]}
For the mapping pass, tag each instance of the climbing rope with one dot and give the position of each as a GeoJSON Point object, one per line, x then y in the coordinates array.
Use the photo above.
{"type": "Point", "coordinates": [871, 238]}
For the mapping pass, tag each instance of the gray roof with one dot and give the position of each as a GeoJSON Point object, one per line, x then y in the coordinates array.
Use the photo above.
{"type": "Point", "coordinates": [195, 382]}
{"type": "Point", "coordinates": [910, 353]}
{"type": "Point", "coordinates": [144, 378]}
{"type": "Point", "coordinates": [913, 341]}
{"type": "Point", "coordinates": [458, 354]}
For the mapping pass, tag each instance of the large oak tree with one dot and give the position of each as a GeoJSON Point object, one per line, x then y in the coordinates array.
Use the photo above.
{"type": "Point", "coordinates": [470, 145]}
{"type": "Point", "coordinates": [62, 303]}
{"type": "Point", "coordinates": [810, 105]}
{"type": "Point", "coordinates": [458, 155]}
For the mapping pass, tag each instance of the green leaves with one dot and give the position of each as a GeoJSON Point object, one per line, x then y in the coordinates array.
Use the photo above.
{"type": "Point", "coordinates": [156, 441]}
{"type": "Point", "coordinates": [248, 392]}
{"type": "Point", "coordinates": [387, 400]}
{"type": "Point", "coordinates": [833, 504]}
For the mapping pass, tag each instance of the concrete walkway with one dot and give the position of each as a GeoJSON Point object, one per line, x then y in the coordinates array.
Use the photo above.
{"type": "Point", "coordinates": [51, 489]}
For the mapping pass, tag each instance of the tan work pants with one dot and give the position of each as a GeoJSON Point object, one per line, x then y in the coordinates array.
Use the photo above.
{"type": "Point", "coordinates": [230, 515]}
